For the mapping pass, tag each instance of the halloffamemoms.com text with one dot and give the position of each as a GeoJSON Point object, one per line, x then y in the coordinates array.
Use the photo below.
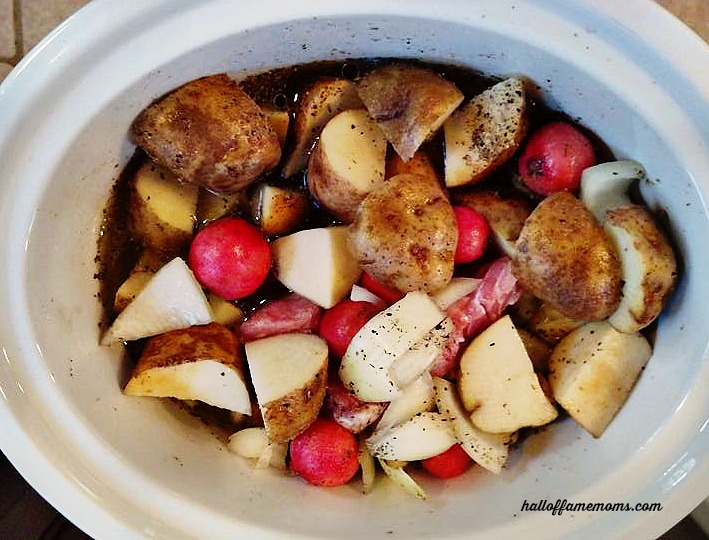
{"type": "Point", "coordinates": [562, 505]}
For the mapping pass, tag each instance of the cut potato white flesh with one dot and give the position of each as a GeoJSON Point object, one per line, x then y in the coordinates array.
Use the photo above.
{"type": "Point", "coordinates": [278, 210]}
{"type": "Point", "coordinates": [485, 132]}
{"type": "Point", "coordinates": [402, 479]}
{"type": "Point", "coordinates": [565, 258]}
{"type": "Point", "coordinates": [383, 339]}
{"type": "Point", "coordinates": [420, 357]}
{"type": "Point", "coordinates": [593, 370]}
{"type": "Point", "coordinates": [648, 266]}
{"type": "Point", "coordinates": [454, 291]}
{"type": "Point", "coordinates": [330, 279]}
{"type": "Point", "coordinates": [289, 375]}
{"type": "Point", "coordinates": [197, 363]}
{"type": "Point", "coordinates": [425, 435]}
{"type": "Point", "coordinates": [605, 186]}
{"type": "Point", "coordinates": [171, 300]}
{"type": "Point", "coordinates": [498, 383]}
{"type": "Point", "coordinates": [415, 398]}
{"type": "Point", "coordinates": [347, 163]}
{"type": "Point", "coordinates": [409, 104]}
{"type": "Point", "coordinates": [323, 100]}
{"type": "Point", "coordinates": [162, 212]}
{"type": "Point", "coordinates": [489, 450]}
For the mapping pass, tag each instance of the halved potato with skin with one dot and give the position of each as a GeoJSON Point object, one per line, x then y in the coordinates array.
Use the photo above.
{"type": "Point", "coordinates": [485, 132]}
{"type": "Point", "coordinates": [347, 163]}
{"type": "Point", "coordinates": [564, 257]}
{"type": "Point", "coordinates": [405, 234]}
{"type": "Point", "coordinates": [323, 100]}
{"type": "Point", "coordinates": [648, 263]}
{"type": "Point", "coordinates": [289, 374]}
{"type": "Point", "coordinates": [209, 132]}
{"type": "Point", "coordinates": [197, 363]}
{"type": "Point", "coordinates": [409, 103]}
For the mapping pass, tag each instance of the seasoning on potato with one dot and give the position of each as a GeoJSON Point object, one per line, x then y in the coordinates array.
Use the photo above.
{"type": "Point", "coordinates": [564, 257]}
{"type": "Point", "coordinates": [405, 234]}
{"type": "Point", "coordinates": [209, 132]}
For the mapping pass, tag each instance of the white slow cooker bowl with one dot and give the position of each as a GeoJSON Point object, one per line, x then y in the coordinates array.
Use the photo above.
{"type": "Point", "coordinates": [123, 467]}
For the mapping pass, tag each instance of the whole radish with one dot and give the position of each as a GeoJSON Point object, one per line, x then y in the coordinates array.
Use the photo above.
{"type": "Point", "coordinates": [230, 257]}
{"type": "Point", "coordinates": [473, 234]}
{"type": "Point", "coordinates": [325, 454]}
{"type": "Point", "coordinates": [449, 464]}
{"type": "Point", "coordinates": [341, 322]}
{"type": "Point", "coordinates": [554, 158]}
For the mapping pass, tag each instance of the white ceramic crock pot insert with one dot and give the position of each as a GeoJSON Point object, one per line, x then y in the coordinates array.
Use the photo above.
{"type": "Point", "coordinates": [124, 467]}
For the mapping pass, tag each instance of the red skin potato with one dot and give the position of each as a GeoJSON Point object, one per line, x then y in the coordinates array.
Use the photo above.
{"type": "Point", "coordinates": [230, 257]}
{"type": "Point", "coordinates": [473, 234]}
{"type": "Point", "coordinates": [292, 313]}
{"type": "Point", "coordinates": [554, 158]}
{"type": "Point", "coordinates": [449, 464]}
{"type": "Point", "coordinates": [325, 454]}
{"type": "Point", "coordinates": [341, 322]}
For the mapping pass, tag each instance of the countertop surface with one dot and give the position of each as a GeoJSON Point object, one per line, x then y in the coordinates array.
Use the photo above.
{"type": "Point", "coordinates": [23, 514]}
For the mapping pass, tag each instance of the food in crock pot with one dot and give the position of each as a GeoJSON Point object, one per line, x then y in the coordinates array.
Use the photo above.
{"type": "Point", "coordinates": [402, 263]}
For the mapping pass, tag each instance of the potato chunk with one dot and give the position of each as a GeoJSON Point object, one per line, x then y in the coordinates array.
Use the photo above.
{"type": "Point", "coordinates": [564, 257]}
{"type": "Point", "coordinates": [347, 163]}
{"type": "Point", "coordinates": [649, 266]}
{"type": "Point", "coordinates": [405, 234]}
{"type": "Point", "coordinates": [593, 370]}
{"type": "Point", "coordinates": [289, 374]}
{"type": "Point", "coordinates": [209, 132]}
{"type": "Point", "coordinates": [197, 363]}
{"type": "Point", "coordinates": [278, 210]}
{"type": "Point", "coordinates": [409, 103]}
{"type": "Point", "coordinates": [320, 102]}
{"type": "Point", "coordinates": [162, 212]}
{"type": "Point", "coordinates": [485, 132]}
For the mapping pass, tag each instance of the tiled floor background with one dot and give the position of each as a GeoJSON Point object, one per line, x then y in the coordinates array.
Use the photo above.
{"type": "Point", "coordinates": [23, 23]}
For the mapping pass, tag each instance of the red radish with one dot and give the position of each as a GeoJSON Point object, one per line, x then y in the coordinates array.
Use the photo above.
{"type": "Point", "coordinates": [230, 257]}
{"type": "Point", "coordinates": [554, 158]}
{"type": "Point", "coordinates": [449, 464]}
{"type": "Point", "coordinates": [325, 454]}
{"type": "Point", "coordinates": [341, 322]}
{"type": "Point", "coordinates": [473, 233]}
{"type": "Point", "coordinates": [387, 294]}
